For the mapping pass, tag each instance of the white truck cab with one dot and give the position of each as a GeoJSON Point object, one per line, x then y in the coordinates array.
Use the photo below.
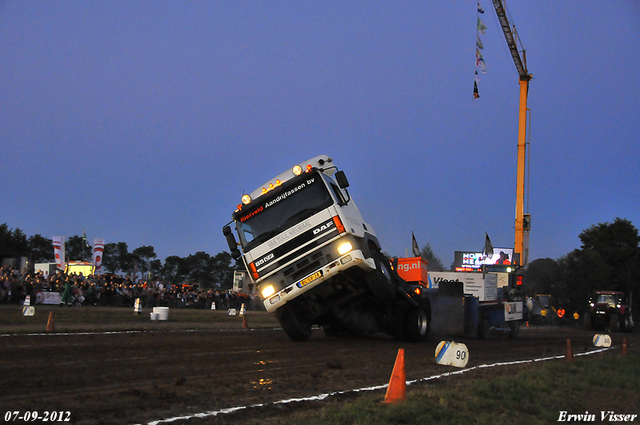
{"type": "Point", "coordinates": [308, 249]}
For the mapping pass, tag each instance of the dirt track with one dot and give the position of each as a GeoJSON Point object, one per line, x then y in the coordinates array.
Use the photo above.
{"type": "Point", "coordinates": [139, 377]}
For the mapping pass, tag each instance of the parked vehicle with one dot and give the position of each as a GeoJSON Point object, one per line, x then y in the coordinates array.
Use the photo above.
{"type": "Point", "coordinates": [609, 310]}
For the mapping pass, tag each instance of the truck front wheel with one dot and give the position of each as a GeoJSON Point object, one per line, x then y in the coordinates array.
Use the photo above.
{"type": "Point", "coordinates": [381, 281]}
{"type": "Point", "coordinates": [298, 330]}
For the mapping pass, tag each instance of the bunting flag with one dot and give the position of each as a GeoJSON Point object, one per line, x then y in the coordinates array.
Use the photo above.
{"type": "Point", "coordinates": [480, 65]}
{"type": "Point", "coordinates": [58, 250]}
{"type": "Point", "coordinates": [98, 253]}
{"type": "Point", "coordinates": [414, 246]}
{"type": "Point", "coordinates": [481, 26]}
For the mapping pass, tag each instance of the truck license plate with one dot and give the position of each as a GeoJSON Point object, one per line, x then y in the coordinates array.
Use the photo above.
{"type": "Point", "coordinates": [310, 278]}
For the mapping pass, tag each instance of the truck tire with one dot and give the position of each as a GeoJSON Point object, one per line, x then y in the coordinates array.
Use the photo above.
{"type": "Point", "coordinates": [626, 324]}
{"type": "Point", "coordinates": [629, 325]}
{"type": "Point", "coordinates": [417, 325]}
{"type": "Point", "coordinates": [614, 323]}
{"type": "Point", "coordinates": [381, 282]}
{"type": "Point", "coordinates": [297, 329]}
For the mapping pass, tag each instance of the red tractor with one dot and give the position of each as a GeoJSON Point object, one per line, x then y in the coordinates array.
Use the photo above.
{"type": "Point", "coordinates": [609, 310]}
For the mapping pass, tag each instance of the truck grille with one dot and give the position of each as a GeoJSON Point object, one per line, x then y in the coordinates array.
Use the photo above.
{"type": "Point", "coordinates": [303, 267]}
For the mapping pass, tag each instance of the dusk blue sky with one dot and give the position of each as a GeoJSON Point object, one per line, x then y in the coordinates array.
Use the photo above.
{"type": "Point", "coordinates": [145, 121]}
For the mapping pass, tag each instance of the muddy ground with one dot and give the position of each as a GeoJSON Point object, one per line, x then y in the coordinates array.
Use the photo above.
{"type": "Point", "coordinates": [146, 375]}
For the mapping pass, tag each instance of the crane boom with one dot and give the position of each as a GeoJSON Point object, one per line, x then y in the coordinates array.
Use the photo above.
{"type": "Point", "coordinates": [521, 228]}
{"type": "Point", "coordinates": [511, 37]}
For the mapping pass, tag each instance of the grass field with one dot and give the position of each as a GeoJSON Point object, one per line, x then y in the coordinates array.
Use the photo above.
{"type": "Point", "coordinates": [531, 394]}
{"type": "Point", "coordinates": [91, 318]}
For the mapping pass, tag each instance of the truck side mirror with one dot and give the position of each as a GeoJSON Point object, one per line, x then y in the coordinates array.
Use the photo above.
{"type": "Point", "coordinates": [231, 241]}
{"type": "Point", "coordinates": [341, 178]}
{"type": "Point", "coordinates": [343, 183]}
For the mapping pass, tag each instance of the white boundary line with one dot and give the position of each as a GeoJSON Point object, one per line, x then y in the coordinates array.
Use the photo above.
{"type": "Point", "coordinates": [374, 388]}
{"type": "Point", "coordinates": [136, 332]}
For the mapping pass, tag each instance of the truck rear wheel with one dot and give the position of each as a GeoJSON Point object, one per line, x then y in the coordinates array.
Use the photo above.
{"type": "Point", "coordinates": [297, 329]}
{"type": "Point", "coordinates": [626, 324]}
{"type": "Point", "coordinates": [417, 325]}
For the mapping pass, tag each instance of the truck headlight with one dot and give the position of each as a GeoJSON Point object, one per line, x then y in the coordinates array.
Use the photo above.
{"type": "Point", "coordinates": [268, 291]}
{"type": "Point", "coordinates": [344, 248]}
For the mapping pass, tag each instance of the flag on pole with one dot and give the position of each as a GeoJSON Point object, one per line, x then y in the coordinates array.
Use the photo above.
{"type": "Point", "coordinates": [414, 246]}
{"type": "Point", "coordinates": [58, 250]}
{"type": "Point", "coordinates": [98, 253]}
{"type": "Point", "coordinates": [488, 247]}
{"type": "Point", "coordinates": [475, 89]}
{"type": "Point", "coordinates": [480, 9]}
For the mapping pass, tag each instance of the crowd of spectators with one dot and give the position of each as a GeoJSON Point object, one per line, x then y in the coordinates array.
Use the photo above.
{"type": "Point", "coordinates": [113, 290]}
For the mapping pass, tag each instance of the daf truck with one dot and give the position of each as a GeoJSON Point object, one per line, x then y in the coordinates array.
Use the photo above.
{"type": "Point", "coordinates": [316, 261]}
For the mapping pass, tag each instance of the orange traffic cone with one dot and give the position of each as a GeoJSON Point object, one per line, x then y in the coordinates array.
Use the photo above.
{"type": "Point", "coordinates": [244, 322]}
{"type": "Point", "coordinates": [397, 389]}
{"type": "Point", "coordinates": [569, 355]}
{"type": "Point", "coordinates": [51, 323]}
{"type": "Point", "coordinates": [624, 346]}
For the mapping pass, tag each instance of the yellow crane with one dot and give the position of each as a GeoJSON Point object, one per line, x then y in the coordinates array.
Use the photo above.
{"type": "Point", "coordinates": [523, 221]}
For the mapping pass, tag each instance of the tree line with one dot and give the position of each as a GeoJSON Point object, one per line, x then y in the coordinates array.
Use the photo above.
{"type": "Point", "coordinates": [608, 259]}
{"type": "Point", "coordinates": [202, 268]}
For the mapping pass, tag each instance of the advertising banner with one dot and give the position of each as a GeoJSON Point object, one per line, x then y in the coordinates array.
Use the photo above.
{"type": "Point", "coordinates": [485, 288]}
{"type": "Point", "coordinates": [44, 297]}
{"type": "Point", "coordinates": [98, 254]}
{"type": "Point", "coordinates": [58, 250]}
{"type": "Point", "coordinates": [468, 261]}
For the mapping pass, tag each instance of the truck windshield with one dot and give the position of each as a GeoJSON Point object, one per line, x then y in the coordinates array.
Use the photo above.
{"type": "Point", "coordinates": [607, 299]}
{"type": "Point", "coordinates": [297, 200]}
